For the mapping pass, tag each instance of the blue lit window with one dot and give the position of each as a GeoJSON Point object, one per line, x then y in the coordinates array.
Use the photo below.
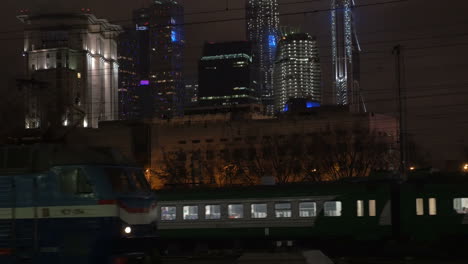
{"type": "Point", "coordinates": [174, 36]}
{"type": "Point", "coordinates": [312, 104]}
{"type": "Point", "coordinates": [286, 108]}
{"type": "Point", "coordinates": [272, 40]}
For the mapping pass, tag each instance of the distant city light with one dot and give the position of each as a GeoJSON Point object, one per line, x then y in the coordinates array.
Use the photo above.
{"type": "Point", "coordinates": [174, 36]}
{"type": "Point", "coordinates": [312, 104]}
{"type": "Point", "coordinates": [272, 40]}
{"type": "Point", "coordinates": [144, 82]}
{"type": "Point", "coordinates": [141, 28]}
{"type": "Point", "coordinates": [412, 168]}
{"type": "Point", "coordinates": [465, 167]}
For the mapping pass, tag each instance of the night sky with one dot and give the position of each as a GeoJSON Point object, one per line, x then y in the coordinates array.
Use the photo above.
{"type": "Point", "coordinates": [434, 33]}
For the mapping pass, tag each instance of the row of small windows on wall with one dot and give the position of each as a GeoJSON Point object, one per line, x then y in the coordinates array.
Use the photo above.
{"type": "Point", "coordinates": [237, 139]}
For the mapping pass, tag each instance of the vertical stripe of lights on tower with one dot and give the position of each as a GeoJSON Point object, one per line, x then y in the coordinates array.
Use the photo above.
{"type": "Point", "coordinates": [342, 49]}
{"type": "Point", "coordinates": [262, 30]}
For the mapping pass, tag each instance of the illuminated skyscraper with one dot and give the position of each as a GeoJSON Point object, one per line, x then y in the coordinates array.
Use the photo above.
{"type": "Point", "coordinates": [345, 55]}
{"type": "Point", "coordinates": [262, 19]}
{"type": "Point", "coordinates": [155, 48]}
{"type": "Point", "coordinates": [297, 73]}
{"type": "Point", "coordinates": [74, 57]}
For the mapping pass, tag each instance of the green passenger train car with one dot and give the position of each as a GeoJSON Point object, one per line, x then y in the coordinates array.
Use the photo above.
{"type": "Point", "coordinates": [342, 218]}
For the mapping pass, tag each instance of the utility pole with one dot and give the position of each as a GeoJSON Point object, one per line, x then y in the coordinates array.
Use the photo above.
{"type": "Point", "coordinates": [399, 69]}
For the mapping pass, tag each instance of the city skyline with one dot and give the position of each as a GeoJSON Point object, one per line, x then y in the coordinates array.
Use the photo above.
{"type": "Point", "coordinates": [434, 53]}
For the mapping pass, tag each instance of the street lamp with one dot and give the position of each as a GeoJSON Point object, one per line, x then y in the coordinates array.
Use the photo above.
{"type": "Point", "coordinates": [465, 167]}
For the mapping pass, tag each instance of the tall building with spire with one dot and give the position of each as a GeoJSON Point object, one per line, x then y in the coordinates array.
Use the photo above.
{"type": "Point", "coordinates": [152, 54]}
{"type": "Point", "coordinates": [345, 55]}
{"type": "Point", "coordinates": [297, 73]}
{"type": "Point", "coordinates": [262, 19]}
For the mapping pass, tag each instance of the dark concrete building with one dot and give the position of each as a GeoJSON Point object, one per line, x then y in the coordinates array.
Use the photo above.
{"type": "Point", "coordinates": [225, 74]}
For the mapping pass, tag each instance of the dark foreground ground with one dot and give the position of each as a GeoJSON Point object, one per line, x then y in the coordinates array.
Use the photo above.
{"type": "Point", "coordinates": [298, 258]}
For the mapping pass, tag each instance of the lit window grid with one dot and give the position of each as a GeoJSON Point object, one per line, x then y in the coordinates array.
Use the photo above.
{"type": "Point", "coordinates": [297, 71]}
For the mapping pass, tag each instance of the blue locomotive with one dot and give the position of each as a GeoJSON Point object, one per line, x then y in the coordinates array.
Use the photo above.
{"type": "Point", "coordinates": [73, 205]}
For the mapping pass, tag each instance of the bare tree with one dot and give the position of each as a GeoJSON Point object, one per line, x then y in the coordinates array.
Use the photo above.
{"type": "Point", "coordinates": [351, 153]}
{"type": "Point", "coordinates": [173, 169]}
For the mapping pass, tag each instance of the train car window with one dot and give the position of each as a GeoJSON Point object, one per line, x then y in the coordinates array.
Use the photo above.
{"type": "Point", "coordinates": [283, 210]}
{"type": "Point", "coordinates": [307, 209]}
{"type": "Point", "coordinates": [74, 181]}
{"type": "Point", "coordinates": [332, 208]}
{"type": "Point", "coordinates": [460, 205]}
{"type": "Point", "coordinates": [432, 206]}
{"type": "Point", "coordinates": [258, 210]}
{"type": "Point", "coordinates": [419, 206]}
{"type": "Point", "coordinates": [372, 208]}
{"type": "Point", "coordinates": [168, 213]}
{"type": "Point", "coordinates": [360, 208]}
{"type": "Point", "coordinates": [190, 212]}
{"type": "Point", "coordinates": [212, 212]}
{"type": "Point", "coordinates": [235, 211]}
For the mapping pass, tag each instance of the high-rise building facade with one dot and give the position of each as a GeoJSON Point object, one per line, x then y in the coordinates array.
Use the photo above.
{"type": "Point", "coordinates": [128, 79]}
{"type": "Point", "coordinates": [262, 19]}
{"type": "Point", "coordinates": [156, 47]}
{"type": "Point", "coordinates": [345, 55]}
{"type": "Point", "coordinates": [297, 72]}
{"type": "Point", "coordinates": [225, 74]}
{"type": "Point", "coordinates": [191, 94]}
{"type": "Point", "coordinates": [74, 58]}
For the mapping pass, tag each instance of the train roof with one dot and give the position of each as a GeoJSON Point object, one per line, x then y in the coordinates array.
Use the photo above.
{"type": "Point", "coordinates": [262, 191]}
{"type": "Point", "coordinates": [439, 181]}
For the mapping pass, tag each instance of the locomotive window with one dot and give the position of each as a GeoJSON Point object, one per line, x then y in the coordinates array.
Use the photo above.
{"type": "Point", "coordinates": [307, 209]}
{"type": "Point", "coordinates": [190, 212]}
{"type": "Point", "coordinates": [332, 208]}
{"type": "Point", "coordinates": [259, 210]}
{"type": "Point", "coordinates": [168, 213]}
{"type": "Point", "coordinates": [360, 208]}
{"type": "Point", "coordinates": [126, 180]}
{"type": "Point", "coordinates": [282, 210]}
{"type": "Point", "coordinates": [432, 206]}
{"type": "Point", "coordinates": [419, 206]}
{"type": "Point", "coordinates": [235, 211]}
{"type": "Point", "coordinates": [138, 179]}
{"type": "Point", "coordinates": [118, 179]}
{"type": "Point", "coordinates": [372, 209]}
{"type": "Point", "coordinates": [74, 181]}
{"type": "Point", "coordinates": [212, 212]}
{"type": "Point", "coordinates": [460, 205]}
